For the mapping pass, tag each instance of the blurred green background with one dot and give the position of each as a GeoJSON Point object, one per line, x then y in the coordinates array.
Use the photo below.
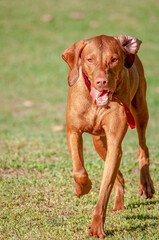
{"type": "Point", "coordinates": [36, 182]}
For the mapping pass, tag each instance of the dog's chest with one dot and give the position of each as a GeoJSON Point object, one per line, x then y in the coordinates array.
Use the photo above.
{"type": "Point", "coordinates": [92, 120]}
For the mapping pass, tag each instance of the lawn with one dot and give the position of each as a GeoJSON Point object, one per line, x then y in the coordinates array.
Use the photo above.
{"type": "Point", "coordinates": [36, 183]}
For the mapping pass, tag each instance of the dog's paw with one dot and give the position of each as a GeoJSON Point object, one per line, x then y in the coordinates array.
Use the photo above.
{"type": "Point", "coordinates": [96, 229]}
{"type": "Point", "coordinates": [82, 189]}
{"type": "Point", "coordinates": [146, 187]}
{"type": "Point", "coordinates": [117, 208]}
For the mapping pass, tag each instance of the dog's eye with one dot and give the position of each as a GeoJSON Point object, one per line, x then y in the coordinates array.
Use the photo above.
{"type": "Point", "coordinates": [114, 60]}
{"type": "Point", "coordinates": [90, 60]}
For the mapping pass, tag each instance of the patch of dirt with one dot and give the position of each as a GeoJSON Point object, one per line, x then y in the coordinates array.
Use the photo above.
{"type": "Point", "coordinates": [77, 15]}
{"type": "Point", "coordinates": [157, 89]}
{"type": "Point", "coordinates": [46, 18]}
{"type": "Point", "coordinates": [94, 24]}
{"type": "Point", "coordinates": [58, 128]}
{"type": "Point", "coordinates": [11, 173]}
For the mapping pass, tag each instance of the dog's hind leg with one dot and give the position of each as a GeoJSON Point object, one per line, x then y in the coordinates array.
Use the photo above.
{"type": "Point", "coordinates": [140, 111]}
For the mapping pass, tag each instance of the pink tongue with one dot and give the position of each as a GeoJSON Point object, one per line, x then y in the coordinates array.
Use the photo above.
{"type": "Point", "coordinates": [100, 98]}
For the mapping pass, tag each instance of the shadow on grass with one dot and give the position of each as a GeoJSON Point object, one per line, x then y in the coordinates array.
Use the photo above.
{"type": "Point", "coordinates": [141, 217]}
{"type": "Point", "coordinates": [138, 204]}
{"type": "Point", "coordinates": [131, 229]}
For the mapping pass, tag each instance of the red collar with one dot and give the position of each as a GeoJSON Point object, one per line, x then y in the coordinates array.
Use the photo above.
{"type": "Point", "coordinates": [130, 118]}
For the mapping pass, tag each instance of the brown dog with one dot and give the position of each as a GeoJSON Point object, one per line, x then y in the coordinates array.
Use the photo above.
{"type": "Point", "coordinates": [106, 79]}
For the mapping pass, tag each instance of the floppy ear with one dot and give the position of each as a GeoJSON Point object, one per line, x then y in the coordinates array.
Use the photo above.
{"type": "Point", "coordinates": [130, 47]}
{"type": "Point", "coordinates": [71, 57]}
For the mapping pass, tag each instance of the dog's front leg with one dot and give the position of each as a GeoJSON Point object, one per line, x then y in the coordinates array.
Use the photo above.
{"type": "Point", "coordinates": [111, 167]}
{"type": "Point", "coordinates": [114, 136]}
{"type": "Point", "coordinates": [75, 144]}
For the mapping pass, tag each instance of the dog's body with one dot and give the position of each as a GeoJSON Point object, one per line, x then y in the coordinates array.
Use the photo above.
{"type": "Point", "coordinates": [106, 75]}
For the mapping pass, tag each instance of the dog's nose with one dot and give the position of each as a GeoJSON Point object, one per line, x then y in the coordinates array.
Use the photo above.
{"type": "Point", "coordinates": [101, 82]}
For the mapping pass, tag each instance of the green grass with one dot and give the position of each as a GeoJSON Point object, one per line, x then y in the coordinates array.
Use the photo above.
{"type": "Point", "coordinates": [36, 184]}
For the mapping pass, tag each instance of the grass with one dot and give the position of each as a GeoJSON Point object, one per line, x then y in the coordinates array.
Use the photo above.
{"type": "Point", "coordinates": [36, 184]}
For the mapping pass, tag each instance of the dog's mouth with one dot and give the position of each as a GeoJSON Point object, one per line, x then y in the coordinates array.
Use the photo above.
{"type": "Point", "coordinates": [100, 98]}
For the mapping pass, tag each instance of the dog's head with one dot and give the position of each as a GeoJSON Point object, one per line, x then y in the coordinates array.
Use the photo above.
{"type": "Point", "coordinates": [102, 59]}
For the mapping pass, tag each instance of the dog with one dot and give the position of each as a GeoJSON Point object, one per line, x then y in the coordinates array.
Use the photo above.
{"type": "Point", "coordinates": [107, 94]}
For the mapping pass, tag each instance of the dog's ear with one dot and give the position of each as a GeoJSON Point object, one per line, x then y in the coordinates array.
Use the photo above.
{"type": "Point", "coordinates": [71, 56]}
{"type": "Point", "coordinates": [130, 47]}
